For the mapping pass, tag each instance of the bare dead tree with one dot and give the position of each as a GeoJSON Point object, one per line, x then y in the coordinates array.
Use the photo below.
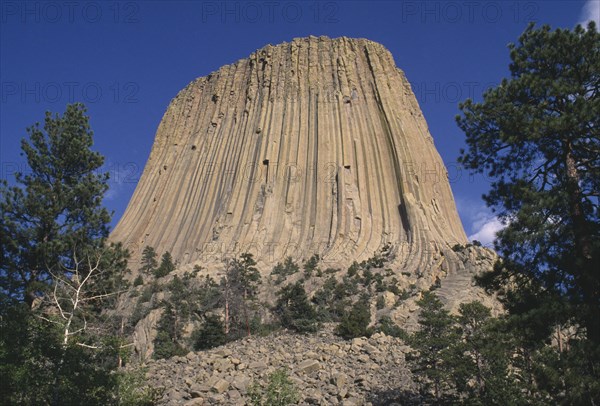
{"type": "Point", "coordinates": [73, 291]}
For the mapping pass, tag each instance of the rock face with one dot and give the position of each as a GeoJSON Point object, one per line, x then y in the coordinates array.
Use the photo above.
{"type": "Point", "coordinates": [313, 146]}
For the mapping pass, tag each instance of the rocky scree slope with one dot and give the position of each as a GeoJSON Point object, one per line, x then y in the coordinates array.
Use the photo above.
{"type": "Point", "coordinates": [325, 370]}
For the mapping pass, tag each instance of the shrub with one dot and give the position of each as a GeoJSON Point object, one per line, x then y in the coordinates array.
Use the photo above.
{"type": "Point", "coordinates": [356, 322]}
{"type": "Point", "coordinates": [311, 265]}
{"type": "Point", "coordinates": [139, 312]}
{"type": "Point", "coordinates": [280, 391]}
{"type": "Point", "coordinates": [166, 343]}
{"type": "Point", "coordinates": [380, 302]}
{"type": "Point", "coordinates": [330, 300]}
{"type": "Point", "coordinates": [133, 390]}
{"type": "Point", "coordinates": [289, 267]}
{"type": "Point", "coordinates": [458, 248]}
{"type": "Point", "coordinates": [166, 266]}
{"type": "Point", "coordinates": [146, 295]}
{"type": "Point", "coordinates": [353, 269]}
{"type": "Point", "coordinates": [388, 327]}
{"type": "Point", "coordinates": [294, 309]}
{"type": "Point", "coordinates": [210, 334]}
{"type": "Point", "coordinates": [138, 281]}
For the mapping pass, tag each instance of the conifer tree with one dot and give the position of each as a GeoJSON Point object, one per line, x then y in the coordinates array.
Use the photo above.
{"type": "Point", "coordinates": [59, 277]}
{"type": "Point", "coordinates": [536, 136]}
{"type": "Point", "coordinates": [294, 309]}
{"type": "Point", "coordinates": [149, 262]}
{"type": "Point", "coordinates": [430, 360]}
{"type": "Point", "coordinates": [356, 322]}
{"type": "Point", "coordinates": [166, 266]}
{"type": "Point", "coordinates": [54, 212]}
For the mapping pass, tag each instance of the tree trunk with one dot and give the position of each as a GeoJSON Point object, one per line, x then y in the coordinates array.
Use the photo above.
{"type": "Point", "coordinates": [588, 280]}
{"type": "Point", "coordinates": [246, 313]}
{"type": "Point", "coordinates": [226, 308]}
{"type": "Point", "coordinates": [119, 358]}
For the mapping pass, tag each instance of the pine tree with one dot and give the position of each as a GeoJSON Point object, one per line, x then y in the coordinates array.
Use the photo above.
{"type": "Point", "coordinates": [484, 359]}
{"type": "Point", "coordinates": [210, 334]}
{"type": "Point", "coordinates": [294, 309]}
{"type": "Point", "coordinates": [536, 136]}
{"type": "Point", "coordinates": [55, 211]}
{"type": "Point", "coordinates": [149, 262]}
{"type": "Point", "coordinates": [239, 287]}
{"type": "Point", "coordinates": [166, 266]}
{"type": "Point", "coordinates": [59, 277]}
{"type": "Point", "coordinates": [168, 335]}
{"type": "Point", "coordinates": [356, 322]}
{"type": "Point", "coordinates": [432, 343]}
{"type": "Point", "coordinates": [282, 270]}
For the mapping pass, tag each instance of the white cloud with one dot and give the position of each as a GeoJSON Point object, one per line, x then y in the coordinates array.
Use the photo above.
{"type": "Point", "coordinates": [590, 11]}
{"type": "Point", "coordinates": [480, 223]}
{"type": "Point", "coordinates": [486, 231]}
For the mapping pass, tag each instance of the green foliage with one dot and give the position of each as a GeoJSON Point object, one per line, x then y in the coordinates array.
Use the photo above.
{"type": "Point", "coordinates": [380, 285]}
{"type": "Point", "coordinates": [429, 362]}
{"type": "Point", "coordinates": [168, 335]}
{"type": "Point", "coordinates": [436, 284]}
{"type": "Point", "coordinates": [36, 368]}
{"type": "Point", "coordinates": [60, 279]}
{"type": "Point", "coordinates": [249, 278]}
{"type": "Point", "coordinates": [458, 247]}
{"type": "Point", "coordinates": [367, 277]}
{"type": "Point", "coordinates": [388, 327]}
{"type": "Point", "coordinates": [133, 390]}
{"type": "Point", "coordinates": [380, 303]}
{"type": "Point", "coordinates": [356, 322]}
{"type": "Point", "coordinates": [476, 359]}
{"type": "Point", "coordinates": [147, 293]}
{"type": "Point", "coordinates": [166, 266]}
{"type": "Point", "coordinates": [311, 265]}
{"type": "Point", "coordinates": [331, 300]}
{"type": "Point", "coordinates": [280, 391]}
{"type": "Point", "coordinates": [393, 287]}
{"type": "Point", "coordinates": [282, 271]}
{"type": "Point", "coordinates": [187, 300]}
{"type": "Point", "coordinates": [376, 261]}
{"type": "Point", "coordinates": [294, 309]}
{"type": "Point", "coordinates": [348, 287]}
{"type": "Point", "coordinates": [139, 281]}
{"type": "Point", "coordinates": [481, 358]}
{"type": "Point", "coordinates": [353, 269]}
{"type": "Point", "coordinates": [537, 138]}
{"type": "Point", "coordinates": [139, 312]}
{"type": "Point", "coordinates": [210, 334]}
{"type": "Point", "coordinates": [239, 289]}
{"type": "Point", "coordinates": [54, 213]}
{"type": "Point", "coordinates": [149, 262]}
{"type": "Point", "coordinates": [571, 376]}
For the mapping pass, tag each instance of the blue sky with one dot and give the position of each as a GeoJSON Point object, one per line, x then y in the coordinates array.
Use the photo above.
{"type": "Point", "coordinates": [127, 59]}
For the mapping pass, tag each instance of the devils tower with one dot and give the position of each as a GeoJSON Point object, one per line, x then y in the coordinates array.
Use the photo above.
{"type": "Point", "coordinates": [313, 146]}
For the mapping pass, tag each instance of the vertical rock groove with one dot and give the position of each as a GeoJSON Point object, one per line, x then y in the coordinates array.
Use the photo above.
{"type": "Point", "coordinates": [313, 146]}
